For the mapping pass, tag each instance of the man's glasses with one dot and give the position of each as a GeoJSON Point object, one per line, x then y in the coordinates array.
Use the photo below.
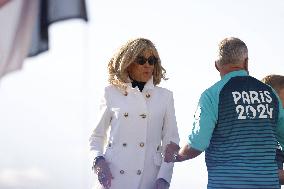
{"type": "Point", "coordinates": [142, 60]}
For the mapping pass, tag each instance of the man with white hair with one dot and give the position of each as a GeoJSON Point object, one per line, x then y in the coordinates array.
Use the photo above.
{"type": "Point", "coordinates": [237, 123]}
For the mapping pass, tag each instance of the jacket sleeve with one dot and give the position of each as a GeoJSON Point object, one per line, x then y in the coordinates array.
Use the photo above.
{"type": "Point", "coordinates": [99, 136]}
{"type": "Point", "coordinates": [169, 133]}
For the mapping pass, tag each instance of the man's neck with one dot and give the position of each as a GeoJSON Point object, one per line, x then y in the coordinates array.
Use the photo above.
{"type": "Point", "coordinates": [224, 72]}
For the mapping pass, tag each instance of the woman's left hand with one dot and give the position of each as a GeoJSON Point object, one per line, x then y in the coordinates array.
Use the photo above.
{"type": "Point", "coordinates": [162, 184]}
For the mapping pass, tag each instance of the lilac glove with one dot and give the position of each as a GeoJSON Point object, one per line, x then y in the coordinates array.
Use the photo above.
{"type": "Point", "coordinates": [101, 168]}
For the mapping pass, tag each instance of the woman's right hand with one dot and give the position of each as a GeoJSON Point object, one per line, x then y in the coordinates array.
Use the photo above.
{"type": "Point", "coordinates": [103, 171]}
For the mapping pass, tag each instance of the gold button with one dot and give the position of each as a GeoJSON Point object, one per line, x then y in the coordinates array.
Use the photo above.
{"type": "Point", "coordinates": [141, 144]}
{"type": "Point", "coordinates": [125, 114]}
{"type": "Point", "coordinates": [121, 172]}
{"type": "Point", "coordinates": [143, 116]}
{"type": "Point", "coordinates": [124, 144]}
{"type": "Point", "coordinates": [148, 95]}
{"type": "Point", "coordinates": [139, 172]}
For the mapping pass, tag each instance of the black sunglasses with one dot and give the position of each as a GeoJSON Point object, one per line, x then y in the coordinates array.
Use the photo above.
{"type": "Point", "coordinates": [142, 60]}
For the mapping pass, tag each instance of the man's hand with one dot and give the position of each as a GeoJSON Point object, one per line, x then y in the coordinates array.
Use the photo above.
{"type": "Point", "coordinates": [171, 152]}
{"type": "Point", "coordinates": [161, 184]}
{"type": "Point", "coordinates": [104, 175]}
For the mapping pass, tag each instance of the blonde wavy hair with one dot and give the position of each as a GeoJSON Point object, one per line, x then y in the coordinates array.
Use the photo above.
{"type": "Point", "coordinates": [126, 55]}
{"type": "Point", "coordinates": [275, 81]}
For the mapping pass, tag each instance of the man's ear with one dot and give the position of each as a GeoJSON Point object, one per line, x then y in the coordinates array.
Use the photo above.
{"type": "Point", "coordinates": [216, 66]}
{"type": "Point", "coordinates": [246, 64]}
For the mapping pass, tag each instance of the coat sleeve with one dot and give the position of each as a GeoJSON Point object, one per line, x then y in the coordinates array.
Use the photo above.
{"type": "Point", "coordinates": [169, 133]}
{"type": "Point", "coordinates": [99, 136]}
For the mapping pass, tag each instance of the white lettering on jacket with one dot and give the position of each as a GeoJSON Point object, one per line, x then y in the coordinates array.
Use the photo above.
{"type": "Point", "coordinates": [244, 101]}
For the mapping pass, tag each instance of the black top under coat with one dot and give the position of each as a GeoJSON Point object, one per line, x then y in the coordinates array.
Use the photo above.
{"type": "Point", "coordinates": [139, 84]}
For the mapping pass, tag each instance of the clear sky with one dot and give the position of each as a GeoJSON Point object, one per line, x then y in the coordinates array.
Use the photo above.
{"type": "Point", "coordinates": [48, 108]}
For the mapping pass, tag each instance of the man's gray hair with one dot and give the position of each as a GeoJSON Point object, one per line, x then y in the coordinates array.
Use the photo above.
{"type": "Point", "coordinates": [232, 51]}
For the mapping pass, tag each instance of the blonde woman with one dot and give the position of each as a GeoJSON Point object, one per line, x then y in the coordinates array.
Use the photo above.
{"type": "Point", "coordinates": [141, 119]}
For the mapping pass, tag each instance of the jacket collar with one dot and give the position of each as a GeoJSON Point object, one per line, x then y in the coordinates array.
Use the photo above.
{"type": "Point", "coordinates": [234, 74]}
{"type": "Point", "coordinates": [148, 86]}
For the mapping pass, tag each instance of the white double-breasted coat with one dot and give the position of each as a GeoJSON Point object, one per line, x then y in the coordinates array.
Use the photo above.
{"type": "Point", "coordinates": [141, 124]}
